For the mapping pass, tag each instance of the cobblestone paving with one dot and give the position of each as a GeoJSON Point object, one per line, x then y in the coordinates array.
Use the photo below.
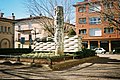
{"type": "Point", "coordinates": [107, 67]}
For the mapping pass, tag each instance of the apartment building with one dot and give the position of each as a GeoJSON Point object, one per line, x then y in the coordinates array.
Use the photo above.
{"type": "Point", "coordinates": [35, 28]}
{"type": "Point", "coordinates": [6, 31]}
{"type": "Point", "coordinates": [95, 30]}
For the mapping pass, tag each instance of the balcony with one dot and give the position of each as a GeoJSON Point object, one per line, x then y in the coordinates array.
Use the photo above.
{"type": "Point", "coordinates": [26, 31]}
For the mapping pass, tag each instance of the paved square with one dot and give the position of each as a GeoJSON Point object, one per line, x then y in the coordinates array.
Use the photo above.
{"type": "Point", "coordinates": [107, 67]}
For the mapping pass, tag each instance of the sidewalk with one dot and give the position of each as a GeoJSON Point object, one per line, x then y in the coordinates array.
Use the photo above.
{"type": "Point", "coordinates": [107, 67]}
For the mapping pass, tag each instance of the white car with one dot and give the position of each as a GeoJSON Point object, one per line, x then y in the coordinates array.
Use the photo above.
{"type": "Point", "coordinates": [100, 50]}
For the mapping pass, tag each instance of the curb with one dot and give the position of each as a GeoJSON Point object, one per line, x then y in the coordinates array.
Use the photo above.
{"type": "Point", "coordinates": [71, 63]}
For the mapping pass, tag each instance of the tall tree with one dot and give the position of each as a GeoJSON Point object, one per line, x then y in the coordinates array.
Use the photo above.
{"type": "Point", "coordinates": [46, 8]}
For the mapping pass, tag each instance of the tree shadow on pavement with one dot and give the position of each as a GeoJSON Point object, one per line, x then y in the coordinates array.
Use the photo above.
{"type": "Point", "coordinates": [99, 68]}
{"type": "Point", "coordinates": [99, 60]}
{"type": "Point", "coordinates": [105, 60]}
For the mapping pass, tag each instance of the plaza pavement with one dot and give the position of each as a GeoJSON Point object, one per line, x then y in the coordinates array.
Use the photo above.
{"type": "Point", "coordinates": [106, 67]}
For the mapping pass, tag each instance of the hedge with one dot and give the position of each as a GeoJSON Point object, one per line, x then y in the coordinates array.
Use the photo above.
{"type": "Point", "coordinates": [14, 51]}
{"type": "Point", "coordinates": [85, 53]}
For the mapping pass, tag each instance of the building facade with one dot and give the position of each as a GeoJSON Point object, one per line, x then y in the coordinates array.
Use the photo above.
{"type": "Point", "coordinates": [6, 32]}
{"type": "Point", "coordinates": [92, 26]}
{"type": "Point", "coordinates": [34, 28]}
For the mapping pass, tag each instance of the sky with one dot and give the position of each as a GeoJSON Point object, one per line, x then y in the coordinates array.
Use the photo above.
{"type": "Point", "coordinates": [17, 7]}
{"type": "Point", "coordinates": [13, 6]}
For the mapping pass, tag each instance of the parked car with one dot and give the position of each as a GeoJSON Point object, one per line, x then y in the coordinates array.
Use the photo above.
{"type": "Point", "coordinates": [100, 50]}
{"type": "Point", "coordinates": [116, 50]}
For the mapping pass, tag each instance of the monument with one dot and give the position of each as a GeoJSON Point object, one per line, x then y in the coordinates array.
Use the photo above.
{"type": "Point", "coordinates": [59, 30]}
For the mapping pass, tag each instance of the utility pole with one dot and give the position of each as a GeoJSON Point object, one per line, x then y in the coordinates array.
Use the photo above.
{"type": "Point", "coordinates": [59, 30]}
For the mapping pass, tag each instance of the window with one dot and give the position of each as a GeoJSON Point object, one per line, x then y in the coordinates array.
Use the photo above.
{"type": "Point", "coordinates": [94, 7]}
{"type": "Point", "coordinates": [94, 20]}
{"type": "Point", "coordinates": [19, 36]}
{"type": "Point", "coordinates": [82, 20]}
{"type": "Point", "coordinates": [108, 30]}
{"type": "Point", "coordinates": [118, 4]}
{"type": "Point", "coordinates": [82, 9]}
{"type": "Point", "coordinates": [30, 25]}
{"type": "Point", "coordinates": [82, 31]}
{"type": "Point", "coordinates": [19, 27]}
{"type": "Point", "coordinates": [9, 29]}
{"type": "Point", "coordinates": [5, 29]}
{"type": "Point", "coordinates": [108, 5]}
{"type": "Point", "coordinates": [95, 32]}
{"type": "Point", "coordinates": [18, 45]}
{"type": "Point", "coordinates": [1, 28]}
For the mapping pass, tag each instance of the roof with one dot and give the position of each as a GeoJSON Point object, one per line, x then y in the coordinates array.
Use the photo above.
{"type": "Point", "coordinates": [6, 19]}
{"type": "Point", "coordinates": [38, 17]}
{"type": "Point", "coordinates": [35, 17]}
{"type": "Point", "coordinates": [85, 2]}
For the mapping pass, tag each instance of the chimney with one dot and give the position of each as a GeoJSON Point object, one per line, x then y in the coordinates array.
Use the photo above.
{"type": "Point", "coordinates": [40, 14]}
{"type": "Point", "coordinates": [13, 16]}
{"type": "Point", "coordinates": [30, 16]}
{"type": "Point", "coordinates": [1, 15]}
